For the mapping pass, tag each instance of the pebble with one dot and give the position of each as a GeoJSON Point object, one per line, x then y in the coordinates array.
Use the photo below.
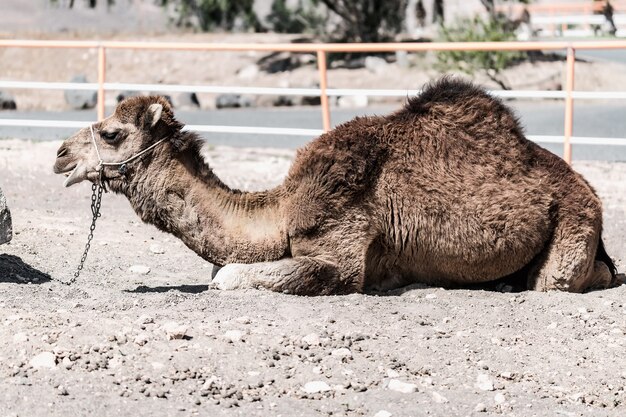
{"type": "Point", "coordinates": [156, 249]}
{"type": "Point", "coordinates": [312, 339]}
{"type": "Point", "coordinates": [44, 360]}
{"type": "Point", "coordinates": [313, 387]}
{"type": "Point", "coordinates": [480, 408]}
{"type": "Point", "coordinates": [342, 353]}
{"type": "Point", "coordinates": [141, 339]}
{"type": "Point", "coordinates": [174, 330]}
{"type": "Point", "coordinates": [20, 338]}
{"type": "Point", "coordinates": [61, 390]}
{"type": "Point", "coordinates": [233, 335]}
{"type": "Point", "coordinates": [139, 269]}
{"type": "Point", "coordinates": [383, 413]}
{"type": "Point", "coordinates": [144, 319]}
{"type": "Point", "coordinates": [243, 320]}
{"type": "Point", "coordinates": [438, 398]}
{"type": "Point", "coordinates": [400, 386]}
{"type": "Point", "coordinates": [484, 383]}
{"type": "Point", "coordinates": [67, 363]}
{"type": "Point", "coordinates": [431, 296]}
{"type": "Point", "coordinates": [499, 398]}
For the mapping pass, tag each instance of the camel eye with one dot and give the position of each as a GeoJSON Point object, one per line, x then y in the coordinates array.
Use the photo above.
{"type": "Point", "coordinates": [109, 136]}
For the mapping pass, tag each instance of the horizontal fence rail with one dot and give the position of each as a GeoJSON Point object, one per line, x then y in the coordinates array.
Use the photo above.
{"type": "Point", "coordinates": [320, 50]}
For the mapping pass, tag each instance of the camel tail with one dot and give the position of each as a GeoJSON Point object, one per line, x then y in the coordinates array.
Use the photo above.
{"type": "Point", "coordinates": [602, 256]}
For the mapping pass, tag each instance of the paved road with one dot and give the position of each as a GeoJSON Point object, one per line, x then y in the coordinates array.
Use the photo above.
{"type": "Point", "coordinates": [539, 118]}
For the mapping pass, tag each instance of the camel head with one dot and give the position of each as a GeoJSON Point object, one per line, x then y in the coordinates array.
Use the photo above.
{"type": "Point", "coordinates": [136, 124]}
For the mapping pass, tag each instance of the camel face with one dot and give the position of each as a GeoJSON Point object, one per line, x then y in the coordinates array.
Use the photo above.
{"type": "Point", "coordinates": [117, 138]}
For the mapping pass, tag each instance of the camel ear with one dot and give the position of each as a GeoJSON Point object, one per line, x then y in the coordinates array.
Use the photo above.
{"type": "Point", "coordinates": [154, 114]}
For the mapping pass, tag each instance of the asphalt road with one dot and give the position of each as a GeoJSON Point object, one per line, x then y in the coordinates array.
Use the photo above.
{"type": "Point", "coordinates": [538, 117]}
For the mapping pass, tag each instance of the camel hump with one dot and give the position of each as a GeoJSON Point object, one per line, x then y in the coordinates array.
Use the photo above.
{"type": "Point", "coordinates": [451, 91]}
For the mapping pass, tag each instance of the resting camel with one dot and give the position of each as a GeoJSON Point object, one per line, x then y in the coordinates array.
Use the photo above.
{"type": "Point", "coordinates": [446, 191]}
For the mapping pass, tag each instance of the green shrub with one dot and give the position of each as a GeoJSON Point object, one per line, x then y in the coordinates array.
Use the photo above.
{"type": "Point", "coordinates": [479, 30]}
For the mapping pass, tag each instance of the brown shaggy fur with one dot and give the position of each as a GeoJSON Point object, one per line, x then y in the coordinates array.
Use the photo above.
{"type": "Point", "coordinates": [446, 191]}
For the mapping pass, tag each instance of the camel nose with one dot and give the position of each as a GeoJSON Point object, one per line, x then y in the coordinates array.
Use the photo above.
{"type": "Point", "coordinates": [62, 151]}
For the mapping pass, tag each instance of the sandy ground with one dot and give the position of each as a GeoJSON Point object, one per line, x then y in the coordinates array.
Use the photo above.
{"type": "Point", "coordinates": [109, 344]}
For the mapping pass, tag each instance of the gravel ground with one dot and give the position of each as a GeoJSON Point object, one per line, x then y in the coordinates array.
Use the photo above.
{"type": "Point", "coordinates": [140, 332]}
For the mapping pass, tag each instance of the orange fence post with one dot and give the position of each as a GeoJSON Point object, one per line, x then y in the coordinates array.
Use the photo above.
{"type": "Point", "coordinates": [101, 78]}
{"type": "Point", "coordinates": [569, 105]}
{"type": "Point", "coordinates": [321, 66]}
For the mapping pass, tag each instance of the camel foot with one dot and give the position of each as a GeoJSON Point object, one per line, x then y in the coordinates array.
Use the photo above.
{"type": "Point", "coordinates": [231, 277]}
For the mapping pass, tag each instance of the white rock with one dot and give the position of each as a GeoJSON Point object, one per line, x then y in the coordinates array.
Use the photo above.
{"type": "Point", "coordinates": [376, 64]}
{"type": "Point", "coordinates": [499, 398]}
{"type": "Point", "coordinates": [552, 325]}
{"type": "Point", "coordinates": [383, 413]}
{"type": "Point", "coordinates": [342, 353]}
{"type": "Point", "coordinates": [141, 339]}
{"type": "Point", "coordinates": [400, 386]}
{"type": "Point", "coordinates": [156, 249]}
{"type": "Point", "coordinates": [248, 73]}
{"type": "Point", "coordinates": [174, 330]}
{"type": "Point", "coordinates": [139, 269]}
{"type": "Point", "coordinates": [243, 320]}
{"type": "Point", "coordinates": [392, 373]}
{"type": "Point", "coordinates": [438, 398]}
{"type": "Point", "coordinates": [233, 335]}
{"type": "Point", "coordinates": [430, 296]}
{"type": "Point", "coordinates": [484, 383]}
{"type": "Point", "coordinates": [314, 387]}
{"type": "Point", "coordinates": [67, 363]}
{"type": "Point", "coordinates": [20, 338]}
{"type": "Point", "coordinates": [311, 339]}
{"type": "Point", "coordinates": [348, 102]}
{"type": "Point", "coordinates": [144, 319]}
{"type": "Point", "coordinates": [44, 360]}
{"type": "Point", "coordinates": [480, 408]}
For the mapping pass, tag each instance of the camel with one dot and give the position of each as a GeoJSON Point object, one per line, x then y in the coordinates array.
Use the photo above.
{"type": "Point", "coordinates": [446, 191]}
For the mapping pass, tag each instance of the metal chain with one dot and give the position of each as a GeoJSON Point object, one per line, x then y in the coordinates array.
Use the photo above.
{"type": "Point", "coordinates": [96, 200]}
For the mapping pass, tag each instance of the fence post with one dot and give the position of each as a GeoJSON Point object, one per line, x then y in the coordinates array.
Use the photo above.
{"type": "Point", "coordinates": [569, 105]}
{"type": "Point", "coordinates": [101, 78]}
{"type": "Point", "coordinates": [321, 66]}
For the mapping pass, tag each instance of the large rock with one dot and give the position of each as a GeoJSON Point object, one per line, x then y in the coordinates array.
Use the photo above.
{"type": "Point", "coordinates": [81, 99]}
{"type": "Point", "coordinates": [6, 228]}
{"type": "Point", "coordinates": [7, 102]}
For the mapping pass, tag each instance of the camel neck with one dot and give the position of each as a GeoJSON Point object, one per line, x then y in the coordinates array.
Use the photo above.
{"type": "Point", "coordinates": [180, 194]}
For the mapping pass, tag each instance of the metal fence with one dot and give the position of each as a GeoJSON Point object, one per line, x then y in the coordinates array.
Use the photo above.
{"type": "Point", "coordinates": [321, 50]}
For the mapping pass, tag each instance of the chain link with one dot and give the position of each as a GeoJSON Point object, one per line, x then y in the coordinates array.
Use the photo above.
{"type": "Point", "coordinates": [96, 200]}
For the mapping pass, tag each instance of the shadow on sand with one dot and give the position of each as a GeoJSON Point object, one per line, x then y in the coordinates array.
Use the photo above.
{"type": "Point", "coordinates": [14, 270]}
{"type": "Point", "coordinates": [192, 289]}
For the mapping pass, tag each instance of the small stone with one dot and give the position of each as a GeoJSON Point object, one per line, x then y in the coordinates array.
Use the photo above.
{"type": "Point", "coordinates": [480, 408]}
{"type": "Point", "coordinates": [67, 363]}
{"type": "Point", "coordinates": [383, 413]}
{"type": "Point", "coordinates": [233, 335]}
{"type": "Point", "coordinates": [44, 360]}
{"type": "Point", "coordinates": [141, 339]}
{"type": "Point", "coordinates": [313, 387]}
{"type": "Point", "coordinates": [243, 320]}
{"type": "Point", "coordinates": [61, 390]}
{"type": "Point", "coordinates": [507, 375]}
{"type": "Point", "coordinates": [144, 319]}
{"type": "Point", "coordinates": [20, 338]}
{"type": "Point", "coordinates": [392, 373]}
{"type": "Point", "coordinates": [484, 383]}
{"type": "Point", "coordinates": [342, 353]}
{"type": "Point", "coordinates": [400, 386]}
{"type": "Point", "coordinates": [156, 249]}
{"type": "Point", "coordinates": [174, 330]}
{"type": "Point", "coordinates": [139, 269]}
{"type": "Point", "coordinates": [431, 296]}
{"type": "Point", "coordinates": [438, 398]}
{"type": "Point", "coordinates": [311, 339]}
{"type": "Point", "coordinates": [552, 325]}
{"type": "Point", "coordinates": [499, 398]}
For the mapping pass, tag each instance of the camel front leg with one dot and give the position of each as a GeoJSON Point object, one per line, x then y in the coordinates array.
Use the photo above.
{"type": "Point", "coordinates": [299, 276]}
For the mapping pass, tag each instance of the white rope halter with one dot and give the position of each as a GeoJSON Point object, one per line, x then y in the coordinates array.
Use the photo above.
{"type": "Point", "coordinates": [121, 164]}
